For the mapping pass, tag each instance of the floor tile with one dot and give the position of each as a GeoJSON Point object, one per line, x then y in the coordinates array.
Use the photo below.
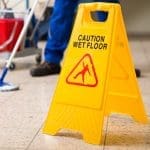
{"type": "Point", "coordinates": [124, 133]}
{"type": "Point", "coordinates": [23, 112]}
{"type": "Point", "coordinates": [66, 140]}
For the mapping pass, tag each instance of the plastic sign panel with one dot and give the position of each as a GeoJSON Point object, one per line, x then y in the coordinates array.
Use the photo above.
{"type": "Point", "coordinates": [97, 76]}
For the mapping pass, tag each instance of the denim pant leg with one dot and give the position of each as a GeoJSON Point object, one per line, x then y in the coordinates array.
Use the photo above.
{"type": "Point", "coordinates": [59, 30]}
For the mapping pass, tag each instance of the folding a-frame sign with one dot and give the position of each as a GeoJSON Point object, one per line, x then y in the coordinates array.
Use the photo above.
{"type": "Point", "coordinates": [97, 78]}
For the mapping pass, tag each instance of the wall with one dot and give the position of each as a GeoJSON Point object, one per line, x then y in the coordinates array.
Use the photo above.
{"type": "Point", "coordinates": [136, 14]}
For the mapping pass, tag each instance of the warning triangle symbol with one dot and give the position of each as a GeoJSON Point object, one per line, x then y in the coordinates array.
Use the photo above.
{"type": "Point", "coordinates": [83, 74]}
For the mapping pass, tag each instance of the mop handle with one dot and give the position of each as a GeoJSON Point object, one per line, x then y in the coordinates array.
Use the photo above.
{"type": "Point", "coordinates": [24, 29]}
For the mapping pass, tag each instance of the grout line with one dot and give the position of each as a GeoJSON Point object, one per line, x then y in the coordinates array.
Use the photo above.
{"type": "Point", "coordinates": [106, 133]}
{"type": "Point", "coordinates": [33, 138]}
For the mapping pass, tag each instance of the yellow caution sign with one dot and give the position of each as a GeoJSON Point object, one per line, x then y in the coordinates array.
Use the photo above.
{"type": "Point", "coordinates": [97, 78]}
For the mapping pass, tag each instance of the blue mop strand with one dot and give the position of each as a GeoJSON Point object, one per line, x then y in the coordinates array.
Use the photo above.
{"type": "Point", "coordinates": [4, 72]}
{"type": "Point", "coordinates": [4, 86]}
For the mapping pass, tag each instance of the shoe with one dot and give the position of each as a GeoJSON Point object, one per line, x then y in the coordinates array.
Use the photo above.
{"type": "Point", "coordinates": [138, 72]}
{"type": "Point", "coordinates": [45, 69]}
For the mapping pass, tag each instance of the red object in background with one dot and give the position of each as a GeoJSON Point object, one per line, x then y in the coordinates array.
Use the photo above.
{"type": "Point", "coordinates": [9, 31]}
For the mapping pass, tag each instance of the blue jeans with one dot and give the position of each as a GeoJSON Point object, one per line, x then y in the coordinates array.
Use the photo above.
{"type": "Point", "coordinates": [61, 23]}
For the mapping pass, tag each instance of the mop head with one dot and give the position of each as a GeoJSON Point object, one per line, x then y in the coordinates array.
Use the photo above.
{"type": "Point", "coordinates": [5, 87]}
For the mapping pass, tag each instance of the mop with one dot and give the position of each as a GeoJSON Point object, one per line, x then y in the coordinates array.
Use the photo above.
{"type": "Point", "coordinates": [5, 86]}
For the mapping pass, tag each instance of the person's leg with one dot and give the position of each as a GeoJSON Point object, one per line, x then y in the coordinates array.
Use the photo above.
{"type": "Point", "coordinates": [58, 37]}
{"type": "Point", "coordinates": [60, 29]}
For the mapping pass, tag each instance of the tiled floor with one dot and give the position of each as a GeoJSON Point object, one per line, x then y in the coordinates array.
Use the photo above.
{"type": "Point", "coordinates": [23, 112]}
